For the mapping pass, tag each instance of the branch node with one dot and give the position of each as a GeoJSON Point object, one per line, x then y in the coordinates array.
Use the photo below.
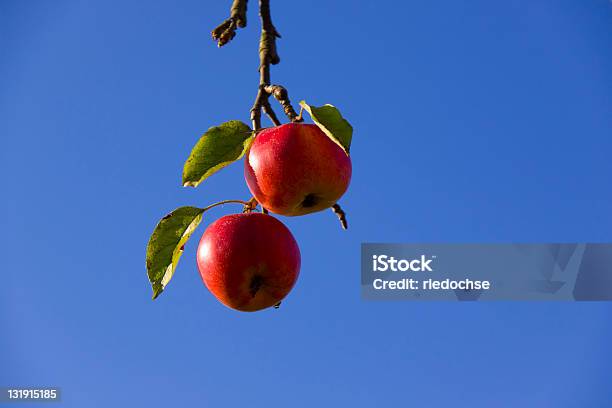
{"type": "Point", "coordinates": [267, 47]}
{"type": "Point", "coordinates": [250, 205]}
{"type": "Point", "coordinates": [282, 96]}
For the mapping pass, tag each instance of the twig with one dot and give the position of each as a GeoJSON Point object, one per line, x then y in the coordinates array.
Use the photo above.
{"type": "Point", "coordinates": [269, 56]}
{"type": "Point", "coordinates": [282, 96]}
{"type": "Point", "coordinates": [225, 31]}
{"type": "Point", "coordinates": [341, 215]}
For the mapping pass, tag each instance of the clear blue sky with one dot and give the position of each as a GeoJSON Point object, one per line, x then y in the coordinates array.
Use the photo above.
{"type": "Point", "coordinates": [480, 121]}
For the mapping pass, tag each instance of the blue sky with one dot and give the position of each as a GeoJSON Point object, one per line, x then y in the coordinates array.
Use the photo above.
{"type": "Point", "coordinates": [480, 122]}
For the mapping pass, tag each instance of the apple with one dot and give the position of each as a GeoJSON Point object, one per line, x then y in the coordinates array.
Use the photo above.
{"type": "Point", "coordinates": [296, 169]}
{"type": "Point", "coordinates": [248, 261]}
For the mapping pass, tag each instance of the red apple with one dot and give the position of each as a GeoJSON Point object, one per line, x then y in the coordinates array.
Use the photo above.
{"type": "Point", "coordinates": [295, 169]}
{"type": "Point", "coordinates": [248, 261]}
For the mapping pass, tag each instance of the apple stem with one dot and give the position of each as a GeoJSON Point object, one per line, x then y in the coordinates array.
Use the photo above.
{"type": "Point", "coordinates": [244, 203]}
{"type": "Point", "coordinates": [341, 215]}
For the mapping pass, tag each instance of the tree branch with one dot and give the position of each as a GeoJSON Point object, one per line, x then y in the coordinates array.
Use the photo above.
{"type": "Point", "coordinates": [225, 31]}
{"type": "Point", "coordinates": [269, 56]}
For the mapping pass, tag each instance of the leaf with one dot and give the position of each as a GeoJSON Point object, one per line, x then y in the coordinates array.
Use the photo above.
{"type": "Point", "coordinates": [167, 243]}
{"type": "Point", "coordinates": [331, 122]}
{"type": "Point", "coordinates": [218, 147]}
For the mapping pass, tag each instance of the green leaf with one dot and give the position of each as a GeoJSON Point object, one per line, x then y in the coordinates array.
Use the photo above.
{"type": "Point", "coordinates": [331, 122]}
{"type": "Point", "coordinates": [167, 243]}
{"type": "Point", "coordinates": [218, 147]}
